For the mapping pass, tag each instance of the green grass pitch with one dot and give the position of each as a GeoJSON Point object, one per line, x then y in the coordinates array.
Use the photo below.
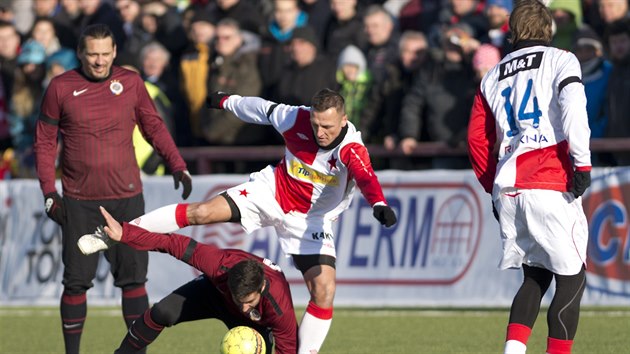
{"type": "Point", "coordinates": [410, 330]}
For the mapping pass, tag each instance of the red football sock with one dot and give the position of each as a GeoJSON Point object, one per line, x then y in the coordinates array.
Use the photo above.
{"type": "Point", "coordinates": [558, 346]}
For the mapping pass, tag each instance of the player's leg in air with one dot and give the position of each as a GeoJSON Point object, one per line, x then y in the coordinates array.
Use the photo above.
{"type": "Point", "coordinates": [319, 275]}
{"type": "Point", "coordinates": [169, 219]}
{"type": "Point", "coordinates": [525, 308]}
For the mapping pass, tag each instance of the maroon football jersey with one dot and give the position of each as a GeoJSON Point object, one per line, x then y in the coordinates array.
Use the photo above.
{"type": "Point", "coordinates": [96, 121]}
{"type": "Point", "coordinates": [275, 306]}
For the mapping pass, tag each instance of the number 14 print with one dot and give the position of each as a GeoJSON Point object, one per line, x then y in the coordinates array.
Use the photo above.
{"type": "Point", "coordinates": [522, 115]}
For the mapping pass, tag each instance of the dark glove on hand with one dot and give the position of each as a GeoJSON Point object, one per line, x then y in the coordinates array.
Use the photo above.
{"type": "Point", "coordinates": [385, 215]}
{"type": "Point", "coordinates": [495, 212]}
{"type": "Point", "coordinates": [581, 181]}
{"type": "Point", "coordinates": [215, 99]}
{"type": "Point", "coordinates": [184, 177]}
{"type": "Point", "coordinates": [54, 207]}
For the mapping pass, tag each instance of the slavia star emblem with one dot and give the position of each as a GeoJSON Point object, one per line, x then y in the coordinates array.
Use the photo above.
{"type": "Point", "coordinates": [333, 163]}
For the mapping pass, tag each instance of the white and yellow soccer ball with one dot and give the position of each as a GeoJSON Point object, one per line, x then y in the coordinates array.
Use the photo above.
{"type": "Point", "coordinates": [242, 340]}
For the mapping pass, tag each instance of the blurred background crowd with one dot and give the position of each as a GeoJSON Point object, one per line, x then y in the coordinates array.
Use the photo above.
{"type": "Point", "coordinates": [408, 69]}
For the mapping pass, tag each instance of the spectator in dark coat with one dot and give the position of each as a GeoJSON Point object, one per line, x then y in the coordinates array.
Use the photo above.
{"type": "Point", "coordinates": [101, 11]}
{"type": "Point", "coordinates": [233, 69]}
{"type": "Point", "coordinates": [619, 85]}
{"type": "Point", "coordinates": [308, 72]}
{"type": "Point", "coordinates": [319, 13]}
{"type": "Point", "coordinates": [245, 13]}
{"type": "Point", "coordinates": [441, 99]}
{"type": "Point", "coordinates": [274, 53]}
{"type": "Point", "coordinates": [344, 28]}
{"type": "Point", "coordinates": [382, 55]}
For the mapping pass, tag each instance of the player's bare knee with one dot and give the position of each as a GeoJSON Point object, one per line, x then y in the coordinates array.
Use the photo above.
{"type": "Point", "coordinates": [323, 295]}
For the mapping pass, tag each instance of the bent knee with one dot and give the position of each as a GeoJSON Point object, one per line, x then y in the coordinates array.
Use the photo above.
{"type": "Point", "coordinates": [164, 315]}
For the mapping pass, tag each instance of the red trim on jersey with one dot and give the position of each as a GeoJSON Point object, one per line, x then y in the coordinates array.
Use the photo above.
{"type": "Point", "coordinates": [518, 332]}
{"type": "Point", "coordinates": [223, 101]}
{"type": "Point", "coordinates": [321, 313]}
{"type": "Point", "coordinates": [357, 158]}
{"type": "Point", "coordinates": [558, 346]}
{"type": "Point", "coordinates": [136, 292]}
{"type": "Point", "coordinates": [73, 299]}
{"type": "Point", "coordinates": [481, 139]}
{"type": "Point", "coordinates": [546, 168]}
{"type": "Point", "coordinates": [291, 193]}
{"type": "Point", "coordinates": [583, 168]}
{"type": "Point", "coordinates": [180, 215]}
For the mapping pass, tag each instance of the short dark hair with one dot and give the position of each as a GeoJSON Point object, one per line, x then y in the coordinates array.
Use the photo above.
{"type": "Point", "coordinates": [246, 277]}
{"type": "Point", "coordinates": [327, 98]}
{"type": "Point", "coordinates": [97, 31]}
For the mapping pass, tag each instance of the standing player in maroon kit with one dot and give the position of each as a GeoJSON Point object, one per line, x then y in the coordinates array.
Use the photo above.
{"type": "Point", "coordinates": [95, 109]}
{"type": "Point", "coordinates": [236, 287]}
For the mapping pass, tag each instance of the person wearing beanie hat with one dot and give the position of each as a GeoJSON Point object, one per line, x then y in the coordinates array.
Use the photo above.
{"type": "Point", "coordinates": [306, 33]}
{"type": "Point", "coordinates": [507, 5]}
{"type": "Point", "coordinates": [65, 59]}
{"type": "Point", "coordinates": [354, 83]}
{"type": "Point", "coordinates": [596, 70]}
{"type": "Point", "coordinates": [31, 53]}
{"type": "Point", "coordinates": [307, 72]}
{"type": "Point", "coordinates": [498, 13]}
{"type": "Point", "coordinates": [567, 17]}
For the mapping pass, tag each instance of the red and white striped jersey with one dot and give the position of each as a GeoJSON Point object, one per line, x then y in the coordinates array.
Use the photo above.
{"type": "Point", "coordinates": [533, 104]}
{"type": "Point", "coordinates": [311, 180]}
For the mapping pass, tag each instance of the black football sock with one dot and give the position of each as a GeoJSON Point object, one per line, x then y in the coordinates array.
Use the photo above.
{"type": "Point", "coordinates": [134, 302]}
{"type": "Point", "coordinates": [142, 332]}
{"type": "Point", "coordinates": [73, 309]}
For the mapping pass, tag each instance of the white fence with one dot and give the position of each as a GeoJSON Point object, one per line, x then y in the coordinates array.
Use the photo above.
{"type": "Point", "coordinates": [444, 250]}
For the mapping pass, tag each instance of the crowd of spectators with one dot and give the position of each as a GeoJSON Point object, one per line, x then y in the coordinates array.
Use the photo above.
{"type": "Point", "coordinates": [407, 68]}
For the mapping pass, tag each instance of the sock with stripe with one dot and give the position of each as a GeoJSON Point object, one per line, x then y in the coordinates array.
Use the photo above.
{"type": "Point", "coordinates": [516, 338]}
{"type": "Point", "coordinates": [73, 310]}
{"type": "Point", "coordinates": [314, 328]}
{"type": "Point", "coordinates": [134, 302]}
{"type": "Point", "coordinates": [163, 220]}
{"type": "Point", "coordinates": [142, 332]}
{"type": "Point", "coordinates": [558, 346]}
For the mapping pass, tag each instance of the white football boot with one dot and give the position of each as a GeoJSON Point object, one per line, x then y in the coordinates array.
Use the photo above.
{"type": "Point", "coordinates": [92, 243]}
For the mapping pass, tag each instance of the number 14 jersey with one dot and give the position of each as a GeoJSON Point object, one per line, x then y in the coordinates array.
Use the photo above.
{"type": "Point", "coordinates": [533, 105]}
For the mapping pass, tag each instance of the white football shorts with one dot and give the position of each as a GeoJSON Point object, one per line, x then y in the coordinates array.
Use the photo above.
{"type": "Point", "coordinates": [542, 228]}
{"type": "Point", "coordinates": [297, 234]}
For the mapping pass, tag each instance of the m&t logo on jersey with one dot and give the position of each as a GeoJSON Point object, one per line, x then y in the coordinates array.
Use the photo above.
{"type": "Point", "coordinates": [524, 62]}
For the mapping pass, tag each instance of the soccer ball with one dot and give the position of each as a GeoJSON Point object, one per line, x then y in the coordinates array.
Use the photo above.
{"type": "Point", "coordinates": [242, 340]}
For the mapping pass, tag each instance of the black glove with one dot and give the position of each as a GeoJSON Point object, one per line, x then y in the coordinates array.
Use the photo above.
{"type": "Point", "coordinates": [495, 212]}
{"type": "Point", "coordinates": [184, 177]}
{"type": "Point", "coordinates": [54, 207]}
{"type": "Point", "coordinates": [385, 215]}
{"type": "Point", "coordinates": [581, 181]}
{"type": "Point", "coordinates": [215, 99]}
